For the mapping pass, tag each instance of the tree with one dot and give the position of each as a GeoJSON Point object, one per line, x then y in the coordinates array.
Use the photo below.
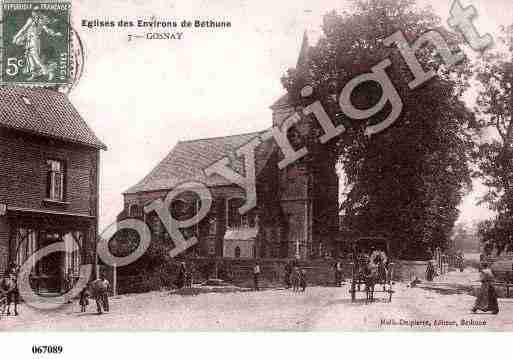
{"type": "Point", "coordinates": [407, 181]}
{"type": "Point", "coordinates": [464, 238]}
{"type": "Point", "coordinates": [494, 156]}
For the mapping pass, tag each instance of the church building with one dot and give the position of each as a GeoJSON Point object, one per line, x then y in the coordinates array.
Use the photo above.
{"type": "Point", "coordinates": [297, 207]}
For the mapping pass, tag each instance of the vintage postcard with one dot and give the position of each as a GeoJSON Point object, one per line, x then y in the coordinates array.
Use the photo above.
{"type": "Point", "coordinates": [256, 166]}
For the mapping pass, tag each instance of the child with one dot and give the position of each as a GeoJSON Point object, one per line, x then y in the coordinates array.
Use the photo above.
{"type": "Point", "coordinates": [84, 300]}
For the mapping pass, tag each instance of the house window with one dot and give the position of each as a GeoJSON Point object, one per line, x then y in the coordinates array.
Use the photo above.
{"type": "Point", "coordinates": [55, 180]}
{"type": "Point", "coordinates": [237, 252]}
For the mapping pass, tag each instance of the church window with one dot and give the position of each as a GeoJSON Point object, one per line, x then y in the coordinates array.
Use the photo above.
{"type": "Point", "coordinates": [234, 217]}
{"type": "Point", "coordinates": [212, 226]}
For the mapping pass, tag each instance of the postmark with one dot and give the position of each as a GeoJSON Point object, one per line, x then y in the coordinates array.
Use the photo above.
{"type": "Point", "coordinates": [36, 42]}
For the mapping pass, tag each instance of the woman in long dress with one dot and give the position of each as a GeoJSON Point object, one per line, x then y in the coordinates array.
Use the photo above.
{"type": "Point", "coordinates": [486, 300]}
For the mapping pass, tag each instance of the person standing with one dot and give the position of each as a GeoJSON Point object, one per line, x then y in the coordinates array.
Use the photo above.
{"type": "Point", "coordinates": [288, 274]}
{"type": "Point", "coordinates": [84, 300]}
{"type": "Point", "coordinates": [182, 275]}
{"type": "Point", "coordinates": [430, 271]}
{"type": "Point", "coordinates": [302, 279]}
{"type": "Point", "coordinates": [486, 300]}
{"type": "Point", "coordinates": [461, 261]}
{"type": "Point", "coordinates": [338, 273]}
{"type": "Point", "coordinates": [256, 276]}
{"type": "Point", "coordinates": [100, 292]}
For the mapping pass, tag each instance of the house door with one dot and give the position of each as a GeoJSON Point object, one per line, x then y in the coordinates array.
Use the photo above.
{"type": "Point", "coordinates": [50, 268]}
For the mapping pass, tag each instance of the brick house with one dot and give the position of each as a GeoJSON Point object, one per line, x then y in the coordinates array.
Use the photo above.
{"type": "Point", "coordinates": [48, 183]}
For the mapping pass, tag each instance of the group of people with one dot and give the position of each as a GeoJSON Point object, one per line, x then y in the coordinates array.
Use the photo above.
{"type": "Point", "coordinates": [486, 300]}
{"type": "Point", "coordinates": [459, 262]}
{"type": "Point", "coordinates": [295, 277]}
{"type": "Point", "coordinates": [9, 292]}
{"type": "Point", "coordinates": [185, 276]}
{"type": "Point", "coordinates": [97, 289]}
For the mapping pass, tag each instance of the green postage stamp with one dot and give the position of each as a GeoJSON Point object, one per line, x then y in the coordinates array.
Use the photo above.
{"type": "Point", "coordinates": [35, 42]}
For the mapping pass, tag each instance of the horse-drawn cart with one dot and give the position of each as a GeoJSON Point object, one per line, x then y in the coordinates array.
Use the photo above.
{"type": "Point", "coordinates": [372, 268]}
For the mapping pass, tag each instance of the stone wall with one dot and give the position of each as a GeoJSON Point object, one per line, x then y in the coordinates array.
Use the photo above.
{"type": "Point", "coordinates": [234, 271]}
{"type": "Point", "coordinates": [407, 270]}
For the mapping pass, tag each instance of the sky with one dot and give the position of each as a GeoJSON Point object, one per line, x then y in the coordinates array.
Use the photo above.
{"type": "Point", "coordinates": [142, 96]}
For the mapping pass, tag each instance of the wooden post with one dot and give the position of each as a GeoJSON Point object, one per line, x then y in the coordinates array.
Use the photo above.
{"type": "Point", "coordinates": [115, 281]}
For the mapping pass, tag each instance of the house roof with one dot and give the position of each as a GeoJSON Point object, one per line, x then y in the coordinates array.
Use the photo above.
{"type": "Point", "coordinates": [45, 112]}
{"type": "Point", "coordinates": [188, 160]}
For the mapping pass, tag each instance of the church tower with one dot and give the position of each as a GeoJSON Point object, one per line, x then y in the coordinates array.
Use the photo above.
{"type": "Point", "coordinates": [308, 188]}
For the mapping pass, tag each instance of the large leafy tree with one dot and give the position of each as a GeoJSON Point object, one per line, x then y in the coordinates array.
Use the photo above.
{"type": "Point", "coordinates": [406, 182]}
{"type": "Point", "coordinates": [494, 156]}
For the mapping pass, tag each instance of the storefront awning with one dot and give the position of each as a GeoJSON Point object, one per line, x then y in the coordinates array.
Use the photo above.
{"type": "Point", "coordinates": [47, 212]}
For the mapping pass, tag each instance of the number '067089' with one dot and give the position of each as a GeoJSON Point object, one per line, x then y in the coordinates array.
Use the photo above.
{"type": "Point", "coordinates": [13, 66]}
{"type": "Point", "coordinates": [47, 349]}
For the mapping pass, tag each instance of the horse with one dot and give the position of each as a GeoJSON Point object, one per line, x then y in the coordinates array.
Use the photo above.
{"type": "Point", "coordinates": [9, 290]}
{"type": "Point", "coordinates": [369, 276]}
{"type": "Point", "coordinates": [374, 275]}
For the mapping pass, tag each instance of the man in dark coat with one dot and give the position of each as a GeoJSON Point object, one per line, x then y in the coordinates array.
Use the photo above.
{"type": "Point", "coordinates": [430, 271]}
{"type": "Point", "coordinates": [100, 292]}
{"type": "Point", "coordinates": [256, 276]}
{"type": "Point", "coordinates": [338, 273]}
{"type": "Point", "coordinates": [288, 273]}
{"type": "Point", "coordinates": [182, 275]}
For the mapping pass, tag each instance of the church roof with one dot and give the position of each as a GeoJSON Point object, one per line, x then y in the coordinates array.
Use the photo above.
{"type": "Point", "coordinates": [188, 160]}
{"type": "Point", "coordinates": [47, 113]}
{"type": "Point", "coordinates": [241, 234]}
{"type": "Point", "coordinates": [283, 101]}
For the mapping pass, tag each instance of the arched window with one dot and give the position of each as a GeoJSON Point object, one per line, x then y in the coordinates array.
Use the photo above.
{"type": "Point", "coordinates": [237, 252]}
{"type": "Point", "coordinates": [134, 211]}
{"type": "Point", "coordinates": [180, 209]}
{"type": "Point", "coordinates": [234, 217]}
{"type": "Point", "coordinates": [156, 225]}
